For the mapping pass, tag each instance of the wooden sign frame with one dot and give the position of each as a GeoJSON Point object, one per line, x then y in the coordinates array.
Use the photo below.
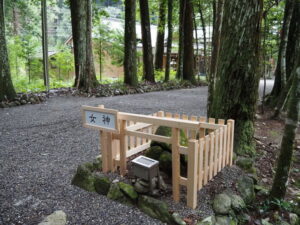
{"type": "Point", "coordinates": [101, 110]}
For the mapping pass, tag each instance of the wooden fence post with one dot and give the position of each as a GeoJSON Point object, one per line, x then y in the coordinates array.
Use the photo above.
{"type": "Point", "coordinates": [103, 144]}
{"type": "Point", "coordinates": [192, 178]}
{"type": "Point", "coordinates": [123, 148]}
{"type": "Point", "coordinates": [175, 164]}
{"type": "Point", "coordinates": [200, 163]}
{"type": "Point", "coordinates": [231, 141]}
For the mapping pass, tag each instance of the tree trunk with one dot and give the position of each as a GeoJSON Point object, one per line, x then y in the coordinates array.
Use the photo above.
{"type": "Point", "coordinates": [169, 42]}
{"type": "Point", "coordinates": [146, 39]}
{"type": "Point", "coordinates": [179, 73]}
{"type": "Point", "coordinates": [82, 38]}
{"type": "Point", "coordinates": [236, 91]}
{"type": "Point", "coordinates": [7, 91]}
{"type": "Point", "coordinates": [188, 43]}
{"type": "Point", "coordinates": [159, 54]}
{"type": "Point", "coordinates": [280, 72]}
{"type": "Point", "coordinates": [45, 43]}
{"type": "Point", "coordinates": [197, 44]}
{"type": "Point", "coordinates": [216, 39]}
{"type": "Point", "coordinates": [204, 36]}
{"type": "Point", "coordinates": [130, 61]}
{"type": "Point", "coordinates": [287, 144]}
{"type": "Point", "coordinates": [293, 30]}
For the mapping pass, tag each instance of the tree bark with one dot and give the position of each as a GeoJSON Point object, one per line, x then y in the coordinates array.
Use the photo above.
{"type": "Point", "coordinates": [160, 39]}
{"type": "Point", "coordinates": [204, 36]}
{"type": "Point", "coordinates": [218, 8]}
{"type": "Point", "coordinates": [236, 91]}
{"type": "Point", "coordinates": [179, 73]}
{"type": "Point", "coordinates": [287, 144]}
{"type": "Point", "coordinates": [169, 41]}
{"type": "Point", "coordinates": [188, 43]}
{"type": "Point", "coordinates": [7, 91]}
{"type": "Point", "coordinates": [280, 71]}
{"type": "Point", "coordinates": [146, 39]}
{"type": "Point", "coordinates": [130, 61]}
{"type": "Point", "coordinates": [45, 43]}
{"type": "Point", "coordinates": [81, 16]}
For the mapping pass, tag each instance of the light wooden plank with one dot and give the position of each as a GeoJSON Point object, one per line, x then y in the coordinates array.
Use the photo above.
{"type": "Point", "coordinates": [137, 126]}
{"type": "Point", "coordinates": [169, 122]}
{"type": "Point", "coordinates": [137, 149]}
{"type": "Point", "coordinates": [185, 117]}
{"type": "Point", "coordinates": [231, 142]}
{"type": "Point", "coordinates": [200, 167]}
{"type": "Point", "coordinates": [150, 136]}
{"type": "Point", "coordinates": [115, 152]}
{"type": "Point", "coordinates": [228, 142]}
{"type": "Point", "coordinates": [216, 153]}
{"type": "Point", "coordinates": [225, 147]}
{"type": "Point", "coordinates": [211, 154]}
{"type": "Point", "coordinates": [183, 181]}
{"type": "Point", "coordinates": [176, 116]}
{"type": "Point", "coordinates": [206, 151]}
{"type": "Point", "coordinates": [103, 144]}
{"type": "Point", "coordinates": [175, 164]}
{"type": "Point", "coordinates": [192, 173]}
{"type": "Point", "coordinates": [109, 152]}
{"type": "Point", "coordinates": [131, 138]}
{"type": "Point", "coordinates": [123, 148]}
{"type": "Point", "coordinates": [221, 149]}
{"type": "Point", "coordinates": [192, 133]}
{"type": "Point", "coordinates": [183, 150]}
{"type": "Point", "coordinates": [168, 115]}
{"type": "Point", "coordinates": [202, 130]}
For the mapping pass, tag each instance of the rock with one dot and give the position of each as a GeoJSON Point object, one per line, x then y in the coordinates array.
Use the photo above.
{"type": "Point", "coordinates": [2, 105]}
{"type": "Point", "coordinates": [102, 184]}
{"type": "Point", "coordinates": [207, 221]}
{"type": "Point", "coordinates": [128, 190]}
{"type": "Point", "coordinates": [23, 102]}
{"type": "Point", "coordinates": [165, 162]}
{"type": "Point", "coordinates": [56, 218]}
{"type": "Point", "coordinates": [163, 184]}
{"type": "Point", "coordinates": [163, 131]}
{"type": "Point", "coordinates": [243, 218]}
{"type": "Point", "coordinates": [116, 194]}
{"type": "Point", "coordinates": [17, 102]}
{"type": "Point", "coordinates": [12, 104]}
{"type": "Point", "coordinates": [139, 188]}
{"type": "Point", "coordinates": [294, 219]}
{"type": "Point", "coordinates": [246, 188]}
{"type": "Point", "coordinates": [222, 204]}
{"type": "Point", "coordinates": [177, 219]}
{"type": "Point", "coordinates": [84, 179]}
{"type": "Point", "coordinates": [32, 100]}
{"type": "Point", "coordinates": [223, 220]}
{"type": "Point", "coordinates": [154, 152]}
{"type": "Point", "coordinates": [237, 203]}
{"type": "Point", "coordinates": [155, 208]}
{"type": "Point", "coordinates": [245, 163]}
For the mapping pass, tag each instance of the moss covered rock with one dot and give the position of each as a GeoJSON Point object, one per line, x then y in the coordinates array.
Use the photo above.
{"type": "Point", "coordinates": [84, 178]}
{"type": "Point", "coordinates": [237, 203]}
{"type": "Point", "coordinates": [222, 204]}
{"type": "Point", "coordinates": [165, 162]}
{"type": "Point", "coordinates": [154, 152]}
{"type": "Point", "coordinates": [245, 163]}
{"type": "Point", "coordinates": [245, 186]}
{"type": "Point", "coordinates": [102, 184]}
{"type": "Point", "coordinates": [128, 190]}
{"type": "Point", "coordinates": [116, 194]}
{"type": "Point", "coordinates": [155, 208]}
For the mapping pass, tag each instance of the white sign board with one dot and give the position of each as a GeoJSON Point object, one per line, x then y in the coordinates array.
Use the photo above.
{"type": "Point", "coordinates": [100, 118]}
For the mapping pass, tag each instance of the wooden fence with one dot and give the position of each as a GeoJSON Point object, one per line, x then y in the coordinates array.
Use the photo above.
{"type": "Point", "coordinates": [209, 149]}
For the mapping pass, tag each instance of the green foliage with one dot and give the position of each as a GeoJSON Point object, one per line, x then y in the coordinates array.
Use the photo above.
{"type": "Point", "coordinates": [64, 63]}
{"type": "Point", "coordinates": [281, 204]}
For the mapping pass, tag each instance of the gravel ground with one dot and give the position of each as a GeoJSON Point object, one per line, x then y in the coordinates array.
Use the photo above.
{"type": "Point", "coordinates": [42, 145]}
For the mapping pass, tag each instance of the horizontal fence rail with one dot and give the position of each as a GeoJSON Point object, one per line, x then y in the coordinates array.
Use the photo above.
{"type": "Point", "coordinates": [209, 148]}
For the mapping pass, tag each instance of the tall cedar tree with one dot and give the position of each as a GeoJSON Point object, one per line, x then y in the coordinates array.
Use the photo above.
{"type": "Point", "coordinates": [280, 71]}
{"type": "Point", "coordinates": [287, 144]}
{"type": "Point", "coordinates": [81, 18]}
{"type": "Point", "coordinates": [130, 69]}
{"type": "Point", "coordinates": [146, 39]}
{"type": "Point", "coordinates": [236, 91]}
{"type": "Point", "coordinates": [181, 35]}
{"type": "Point", "coordinates": [188, 43]}
{"type": "Point", "coordinates": [160, 39]}
{"type": "Point", "coordinates": [218, 7]}
{"type": "Point", "coordinates": [7, 91]}
{"type": "Point", "coordinates": [169, 41]}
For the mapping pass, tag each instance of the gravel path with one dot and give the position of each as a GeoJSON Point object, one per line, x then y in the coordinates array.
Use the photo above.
{"type": "Point", "coordinates": [42, 145]}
